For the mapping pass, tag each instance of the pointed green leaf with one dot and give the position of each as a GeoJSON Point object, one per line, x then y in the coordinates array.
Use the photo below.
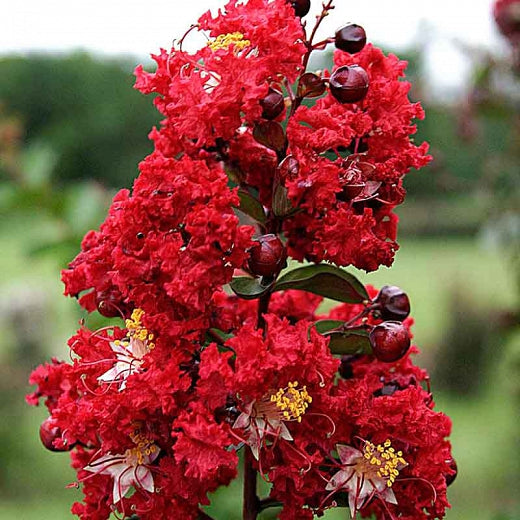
{"type": "Point", "coordinates": [224, 336]}
{"type": "Point", "coordinates": [325, 280]}
{"type": "Point", "coordinates": [248, 288]}
{"type": "Point", "coordinates": [323, 326]}
{"type": "Point", "coordinates": [352, 341]}
{"type": "Point", "coordinates": [251, 206]}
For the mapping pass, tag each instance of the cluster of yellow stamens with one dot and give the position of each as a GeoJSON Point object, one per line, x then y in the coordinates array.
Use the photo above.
{"type": "Point", "coordinates": [223, 41]}
{"type": "Point", "coordinates": [144, 447]}
{"type": "Point", "coordinates": [137, 331]}
{"type": "Point", "coordinates": [292, 402]}
{"type": "Point", "coordinates": [385, 459]}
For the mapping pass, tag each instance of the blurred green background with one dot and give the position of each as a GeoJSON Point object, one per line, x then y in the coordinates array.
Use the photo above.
{"type": "Point", "coordinates": [72, 131]}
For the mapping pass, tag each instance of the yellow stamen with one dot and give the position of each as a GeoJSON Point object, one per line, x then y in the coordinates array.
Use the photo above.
{"type": "Point", "coordinates": [385, 459]}
{"type": "Point", "coordinates": [223, 41]}
{"type": "Point", "coordinates": [136, 329]}
{"type": "Point", "coordinates": [144, 447]}
{"type": "Point", "coordinates": [291, 401]}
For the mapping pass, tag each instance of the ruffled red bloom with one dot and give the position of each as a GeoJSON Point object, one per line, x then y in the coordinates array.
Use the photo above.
{"type": "Point", "coordinates": [340, 225]}
{"type": "Point", "coordinates": [154, 411]}
{"type": "Point", "coordinates": [207, 96]}
{"type": "Point", "coordinates": [361, 412]}
{"type": "Point", "coordinates": [175, 237]}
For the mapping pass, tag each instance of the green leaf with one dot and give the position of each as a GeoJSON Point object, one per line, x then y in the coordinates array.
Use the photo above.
{"type": "Point", "coordinates": [325, 280]}
{"type": "Point", "coordinates": [224, 336]}
{"type": "Point", "coordinates": [323, 326]}
{"type": "Point", "coordinates": [348, 341]}
{"type": "Point", "coordinates": [251, 206]}
{"type": "Point", "coordinates": [352, 341]}
{"type": "Point", "coordinates": [248, 288]}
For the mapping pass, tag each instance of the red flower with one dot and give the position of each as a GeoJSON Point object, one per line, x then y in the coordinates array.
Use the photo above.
{"type": "Point", "coordinates": [162, 405]}
{"type": "Point", "coordinates": [175, 237]}
{"type": "Point", "coordinates": [339, 224]}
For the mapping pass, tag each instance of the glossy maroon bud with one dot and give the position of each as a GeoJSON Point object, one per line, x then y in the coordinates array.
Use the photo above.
{"type": "Point", "coordinates": [393, 303]}
{"type": "Point", "coordinates": [310, 85]}
{"type": "Point", "coordinates": [49, 433]}
{"type": "Point", "coordinates": [349, 84]}
{"type": "Point", "coordinates": [109, 303]}
{"type": "Point", "coordinates": [301, 7]}
{"type": "Point", "coordinates": [273, 104]}
{"type": "Point", "coordinates": [350, 38]}
{"type": "Point", "coordinates": [390, 341]}
{"type": "Point", "coordinates": [268, 256]}
{"type": "Point", "coordinates": [453, 466]}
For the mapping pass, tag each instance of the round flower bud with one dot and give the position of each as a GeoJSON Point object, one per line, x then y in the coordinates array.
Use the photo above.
{"type": "Point", "coordinates": [301, 7]}
{"type": "Point", "coordinates": [273, 104]}
{"type": "Point", "coordinates": [109, 303]}
{"type": "Point", "coordinates": [49, 433]}
{"type": "Point", "coordinates": [393, 303]}
{"type": "Point", "coordinates": [453, 466]}
{"type": "Point", "coordinates": [349, 84]}
{"type": "Point", "coordinates": [350, 38]}
{"type": "Point", "coordinates": [390, 341]}
{"type": "Point", "coordinates": [268, 256]}
{"type": "Point", "coordinates": [345, 368]}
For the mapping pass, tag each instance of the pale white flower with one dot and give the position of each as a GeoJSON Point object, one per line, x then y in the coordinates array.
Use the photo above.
{"type": "Point", "coordinates": [129, 352]}
{"type": "Point", "coordinates": [365, 474]}
{"type": "Point", "coordinates": [267, 416]}
{"type": "Point", "coordinates": [129, 358]}
{"type": "Point", "coordinates": [128, 469]}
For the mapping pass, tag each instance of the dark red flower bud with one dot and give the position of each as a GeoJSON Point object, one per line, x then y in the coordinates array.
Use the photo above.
{"type": "Point", "coordinates": [345, 369]}
{"type": "Point", "coordinates": [110, 304]}
{"type": "Point", "coordinates": [390, 341]}
{"type": "Point", "coordinates": [453, 466]}
{"type": "Point", "coordinates": [393, 303]}
{"type": "Point", "coordinates": [268, 256]}
{"type": "Point", "coordinates": [350, 38]}
{"type": "Point", "coordinates": [49, 433]}
{"type": "Point", "coordinates": [227, 413]}
{"type": "Point", "coordinates": [273, 104]}
{"type": "Point", "coordinates": [350, 191]}
{"type": "Point", "coordinates": [349, 84]}
{"type": "Point", "coordinates": [301, 7]}
{"type": "Point", "coordinates": [310, 85]}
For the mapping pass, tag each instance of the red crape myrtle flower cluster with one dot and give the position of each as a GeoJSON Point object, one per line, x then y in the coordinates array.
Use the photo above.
{"type": "Point", "coordinates": [215, 351]}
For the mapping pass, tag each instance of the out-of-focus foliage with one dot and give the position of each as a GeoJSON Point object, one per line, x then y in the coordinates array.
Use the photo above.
{"type": "Point", "coordinates": [84, 109]}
